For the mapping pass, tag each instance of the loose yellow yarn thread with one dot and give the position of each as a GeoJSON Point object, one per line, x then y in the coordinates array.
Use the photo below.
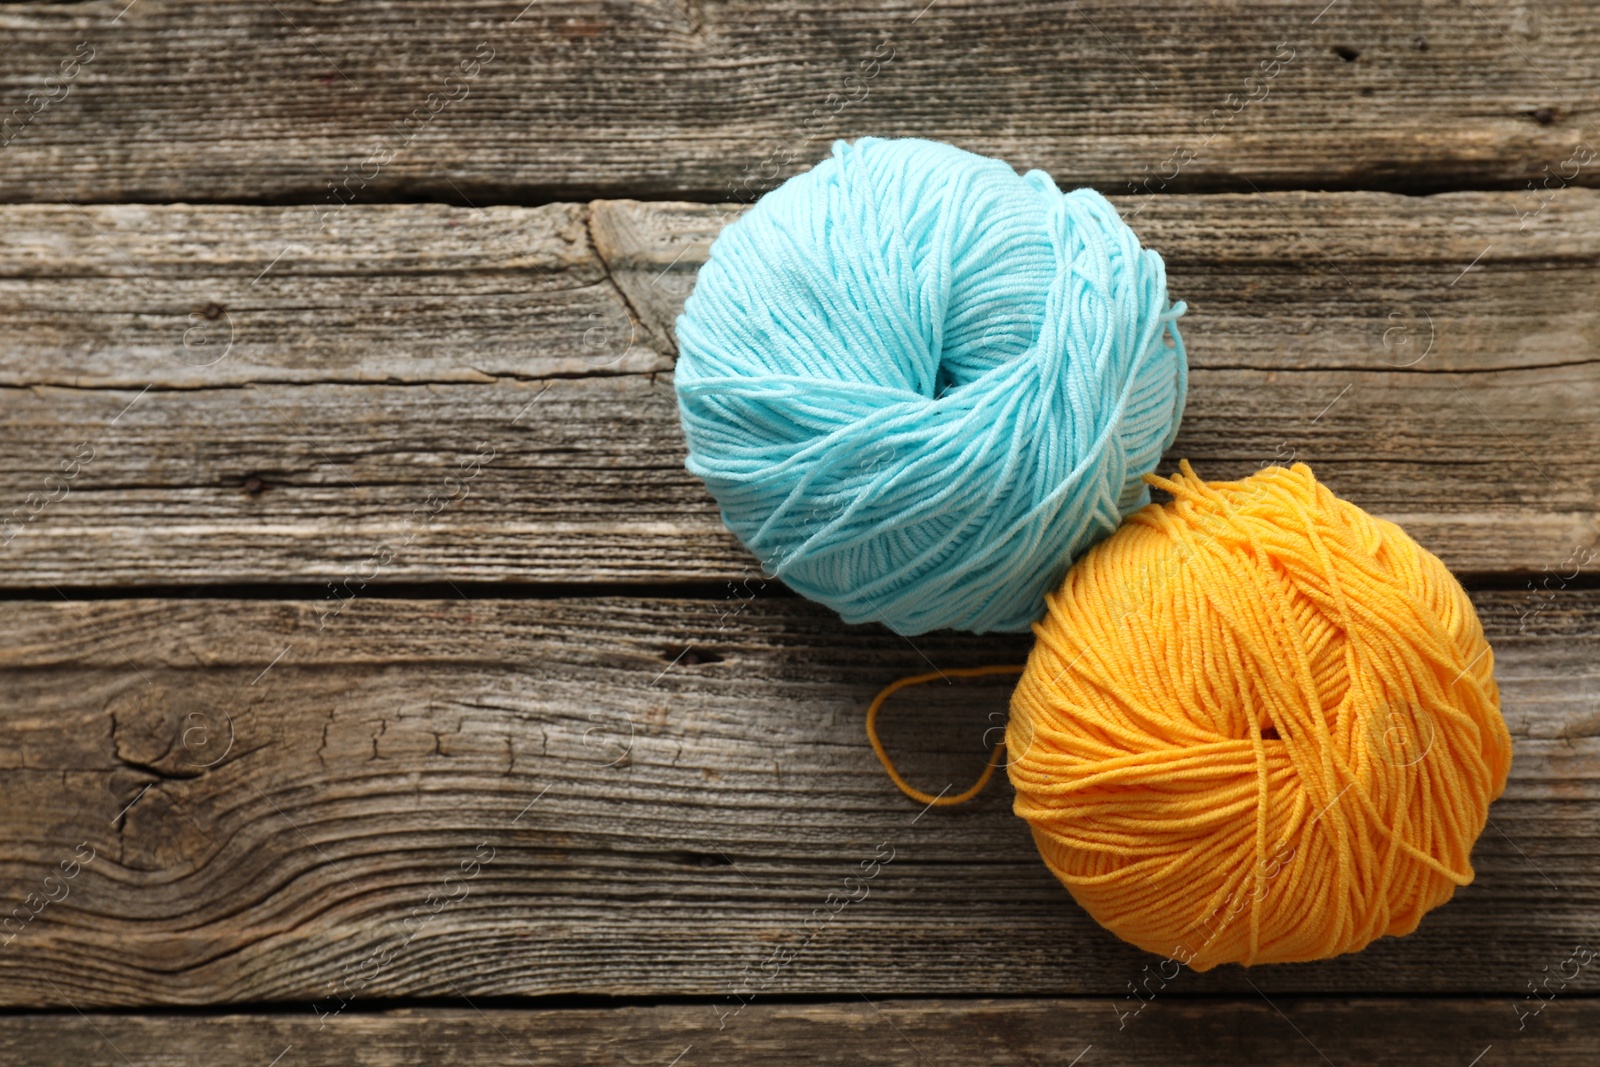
{"type": "Point", "coordinates": [932, 799]}
{"type": "Point", "coordinates": [1258, 725]}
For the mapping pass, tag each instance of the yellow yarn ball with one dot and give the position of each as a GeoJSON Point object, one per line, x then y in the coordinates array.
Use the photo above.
{"type": "Point", "coordinates": [1258, 725]}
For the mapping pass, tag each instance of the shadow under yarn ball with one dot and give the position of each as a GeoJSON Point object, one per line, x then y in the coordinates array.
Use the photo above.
{"type": "Point", "coordinates": [919, 384]}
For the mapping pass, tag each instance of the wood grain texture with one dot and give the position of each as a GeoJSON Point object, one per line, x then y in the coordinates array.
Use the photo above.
{"type": "Point", "coordinates": [1005, 1033]}
{"type": "Point", "coordinates": [243, 101]}
{"type": "Point", "coordinates": [269, 803]}
{"type": "Point", "coordinates": [1463, 282]}
{"type": "Point", "coordinates": [187, 297]}
{"type": "Point", "coordinates": [1433, 358]}
{"type": "Point", "coordinates": [262, 362]}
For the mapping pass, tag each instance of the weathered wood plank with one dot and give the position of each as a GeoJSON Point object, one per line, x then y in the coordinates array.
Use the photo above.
{"type": "Point", "coordinates": [1345, 330]}
{"type": "Point", "coordinates": [1004, 1033]}
{"type": "Point", "coordinates": [309, 483]}
{"type": "Point", "coordinates": [181, 296]}
{"type": "Point", "coordinates": [262, 809]}
{"type": "Point", "coordinates": [178, 297]}
{"type": "Point", "coordinates": [230, 101]}
{"type": "Point", "coordinates": [1368, 281]}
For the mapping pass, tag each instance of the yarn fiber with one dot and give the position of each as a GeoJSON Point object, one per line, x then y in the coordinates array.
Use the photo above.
{"type": "Point", "coordinates": [918, 384]}
{"type": "Point", "coordinates": [1257, 725]}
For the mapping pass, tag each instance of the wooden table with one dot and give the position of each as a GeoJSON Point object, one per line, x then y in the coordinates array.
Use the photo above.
{"type": "Point", "coordinates": [378, 688]}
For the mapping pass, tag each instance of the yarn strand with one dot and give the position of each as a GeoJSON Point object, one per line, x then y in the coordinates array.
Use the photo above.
{"type": "Point", "coordinates": [894, 687]}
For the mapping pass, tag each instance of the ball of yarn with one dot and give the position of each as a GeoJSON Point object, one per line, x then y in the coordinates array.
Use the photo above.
{"type": "Point", "coordinates": [919, 384]}
{"type": "Point", "coordinates": [1258, 725]}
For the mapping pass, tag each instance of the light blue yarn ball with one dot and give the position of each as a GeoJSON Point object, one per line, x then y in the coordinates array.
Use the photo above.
{"type": "Point", "coordinates": [920, 385]}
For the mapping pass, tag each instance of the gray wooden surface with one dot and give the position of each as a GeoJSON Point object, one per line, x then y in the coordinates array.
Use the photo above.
{"type": "Point", "coordinates": [1264, 1030]}
{"type": "Point", "coordinates": [349, 377]}
{"type": "Point", "coordinates": [230, 101]}
{"type": "Point", "coordinates": [376, 687]}
{"type": "Point", "coordinates": [270, 790]}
